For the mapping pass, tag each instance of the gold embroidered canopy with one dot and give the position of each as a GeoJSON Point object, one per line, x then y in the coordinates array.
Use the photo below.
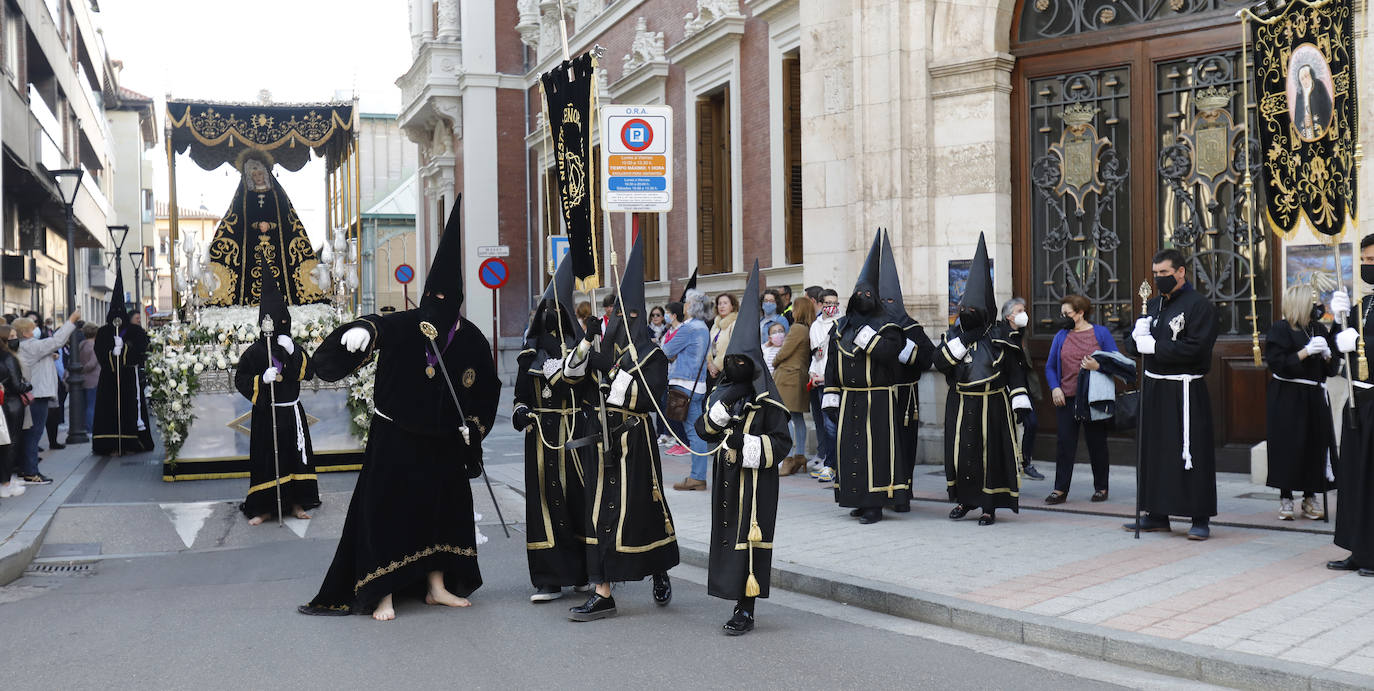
{"type": "Point", "coordinates": [216, 132]}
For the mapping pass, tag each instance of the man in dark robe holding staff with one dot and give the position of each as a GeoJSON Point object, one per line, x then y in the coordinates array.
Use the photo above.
{"type": "Point", "coordinates": [410, 524]}
{"type": "Point", "coordinates": [1355, 469]}
{"type": "Point", "coordinates": [547, 411]}
{"type": "Point", "coordinates": [1178, 472]}
{"type": "Point", "coordinates": [120, 347]}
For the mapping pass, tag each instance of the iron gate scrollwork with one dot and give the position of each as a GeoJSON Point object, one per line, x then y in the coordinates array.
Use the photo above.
{"type": "Point", "coordinates": [1080, 216]}
{"type": "Point", "coordinates": [1041, 19]}
{"type": "Point", "coordinates": [1201, 166]}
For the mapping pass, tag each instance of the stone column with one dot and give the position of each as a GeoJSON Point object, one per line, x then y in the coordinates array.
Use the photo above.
{"type": "Point", "coordinates": [448, 30]}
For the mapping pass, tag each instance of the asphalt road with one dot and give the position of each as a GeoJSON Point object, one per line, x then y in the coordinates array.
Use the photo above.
{"type": "Point", "coordinates": [226, 619]}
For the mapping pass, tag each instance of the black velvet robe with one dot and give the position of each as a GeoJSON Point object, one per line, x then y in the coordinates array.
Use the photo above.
{"type": "Point", "coordinates": [743, 497]}
{"type": "Point", "coordinates": [629, 529]}
{"type": "Point", "coordinates": [555, 500]}
{"type": "Point", "coordinates": [870, 460]}
{"type": "Point", "coordinates": [982, 447]}
{"type": "Point", "coordinates": [1300, 434]}
{"type": "Point", "coordinates": [1355, 466]}
{"type": "Point", "coordinates": [120, 425]}
{"type": "Point", "coordinates": [411, 512]}
{"type": "Point", "coordinates": [921, 358]}
{"type": "Point", "coordinates": [293, 466]}
{"type": "Point", "coordinates": [1166, 486]}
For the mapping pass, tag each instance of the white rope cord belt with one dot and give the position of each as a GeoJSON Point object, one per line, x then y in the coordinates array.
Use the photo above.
{"type": "Point", "coordinates": [300, 431]}
{"type": "Point", "coordinates": [1330, 474]}
{"type": "Point", "coordinates": [1187, 410]}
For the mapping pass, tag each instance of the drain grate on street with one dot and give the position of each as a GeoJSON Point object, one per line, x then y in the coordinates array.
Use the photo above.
{"type": "Point", "coordinates": [62, 569]}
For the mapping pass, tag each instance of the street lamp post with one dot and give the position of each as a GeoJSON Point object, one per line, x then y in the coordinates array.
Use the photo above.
{"type": "Point", "coordinates": [68, 182]}
{"type": "Point", "coordinates": [136, 258]}
{"type": "Point", "coordinates": [118, 234]}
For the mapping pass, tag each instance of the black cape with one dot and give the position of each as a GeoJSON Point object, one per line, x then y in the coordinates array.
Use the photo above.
{"type": "Point", "coordinates": [982, 448]}
{"type": "Point", "coordinates": [292, 464]}
{"type": "Point", "coordinates": [121, 424]}
{"type": "Point", "coordinates": [1355, 466]}
{"type": "Point", "coordinates": [1300, 435]}
{"type": "Point", "coordinates": [1166, 486]}
{"type": "Point", "coordinates": [411, 511]}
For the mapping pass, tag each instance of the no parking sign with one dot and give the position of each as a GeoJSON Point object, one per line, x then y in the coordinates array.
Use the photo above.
{"type": "Point", "coordinates": [637, 170]}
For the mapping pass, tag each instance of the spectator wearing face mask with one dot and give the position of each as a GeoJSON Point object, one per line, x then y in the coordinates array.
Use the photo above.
{"type": "Point", "coordinates": [768, 304]}
{"type": "Point", "coordinates": [822, 467]}
{"type": "Point", "coordinates": [1014, 320]}
{"type": "Point", "coordinates": [772, 345]}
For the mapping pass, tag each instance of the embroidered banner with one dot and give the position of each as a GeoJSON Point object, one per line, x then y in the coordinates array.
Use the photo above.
{"type": "Point", "coordinates": [568, 115]}
{"type": "Point", "coordinates": [1306, 110]}
{"type": "Point", "coordinates": [216, 133]}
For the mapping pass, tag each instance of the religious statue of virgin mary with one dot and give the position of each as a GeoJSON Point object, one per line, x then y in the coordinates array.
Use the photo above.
{"type": "Point", "coordinates": [261, 221]}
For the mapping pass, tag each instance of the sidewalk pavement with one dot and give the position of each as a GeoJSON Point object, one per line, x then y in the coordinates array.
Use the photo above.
{"type": "Point", "coordinates": [1254, 606]}
{"type": "Point", "coordinates": [24, 520]}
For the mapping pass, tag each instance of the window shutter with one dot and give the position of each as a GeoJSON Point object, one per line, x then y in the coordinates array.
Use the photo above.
{"type": "Point", "coordinates": [724, 217]}
{"type": "Point", "coordinates": [706, 187]}
{"type": "Point", "coordinates": [792, 165]}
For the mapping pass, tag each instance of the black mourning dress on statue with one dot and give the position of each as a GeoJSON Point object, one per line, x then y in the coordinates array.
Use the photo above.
{"type": "Point", "coordinates": [411, 511]}
{"type": "Point", "coordinates": [120, 427]}
{"type": "Point", "coordinates": [753, 422]}
{"type": "Point", "coordinates": [291, 462]}
{"type": "Point", "coordinates": [547, 411]}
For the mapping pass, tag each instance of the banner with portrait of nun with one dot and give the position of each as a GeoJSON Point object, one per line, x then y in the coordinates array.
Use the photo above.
{"type": "Point", "coordinates": [1305, 92]}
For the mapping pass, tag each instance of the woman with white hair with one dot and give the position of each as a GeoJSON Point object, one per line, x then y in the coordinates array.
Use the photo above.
{"type": "Point", "coordinates": [1300, 435]}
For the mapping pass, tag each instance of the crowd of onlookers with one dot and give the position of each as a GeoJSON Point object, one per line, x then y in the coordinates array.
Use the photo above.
{"type": "Point", "coordinates": [41, 365]}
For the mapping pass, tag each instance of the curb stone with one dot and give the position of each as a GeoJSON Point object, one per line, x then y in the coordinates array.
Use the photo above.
{"type": "Point", "coordinates": [1174, 658]}
{"type": "Point", "coordinates": [19, 551]}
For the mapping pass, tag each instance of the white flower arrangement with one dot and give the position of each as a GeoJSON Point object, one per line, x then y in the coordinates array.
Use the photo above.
{"type": "Point", "coordinates": [180, 353]}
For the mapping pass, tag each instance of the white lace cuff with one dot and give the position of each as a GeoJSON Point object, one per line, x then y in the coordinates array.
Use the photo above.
{"type": "Point", "coordinates": [752, 451]}
{"type": "Point", "coordinates": [957, 349]}
{"type": "Point", "coordinates": [551, 367]}
{"type": "Point", "coordinates": [576, 364]}
{"type": "Point", "coordinates": [619, 387]}
{"type": "Point", "coordinates": [1020, 401]}
{"type": "Point", "coordinates": [830, 400]}
{"type": "Point", "coordinates": [720, 417]}
{"type": "Point", "coordinates": [908, 353]}
{"type": "Point", "coordinates": [865, 336]}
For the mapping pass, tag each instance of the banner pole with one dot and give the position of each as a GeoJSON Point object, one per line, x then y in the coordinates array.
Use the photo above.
{"type": "Point", "coordinates": [1248, 185]}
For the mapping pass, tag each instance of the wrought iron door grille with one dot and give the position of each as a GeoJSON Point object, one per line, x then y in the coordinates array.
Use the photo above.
{"type": "Point", "coordinates": [1201, 166]}
{"type": "Point", "coordinates": [1042, 19]}
{"type": "Point", "coordinates": [1080, 214]}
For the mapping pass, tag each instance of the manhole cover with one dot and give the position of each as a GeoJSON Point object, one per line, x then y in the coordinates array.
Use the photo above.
{"type": "Point", "coordinates": [62, 569]}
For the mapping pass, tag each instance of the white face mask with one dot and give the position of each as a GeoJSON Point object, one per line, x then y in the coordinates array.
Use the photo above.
{"type": "Point", "coordinates": [776, 339]}
{"type": "Point", "coordinates": [1020, 320]}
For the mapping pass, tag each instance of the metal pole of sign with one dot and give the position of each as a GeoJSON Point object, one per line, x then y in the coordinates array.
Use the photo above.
{"type": "Point", "coordinates": [495, 327]}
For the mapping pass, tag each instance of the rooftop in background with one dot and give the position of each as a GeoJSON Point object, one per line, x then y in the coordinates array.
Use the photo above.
{"type": "Point", "coordinates": [400, 202]}
{"type": "Point", "coordinates": [161, 211]}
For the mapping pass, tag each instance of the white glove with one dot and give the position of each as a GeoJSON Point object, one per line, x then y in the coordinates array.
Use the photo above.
{"type": "Point", "coordinates": [119, 342]}
{"type": "Point", "coordinates": [720, 415]}
{"type": "Point", "coordinates": [752, 451]}
{"type": "Point", "coordinates": [865, 336]}
{"type": "Point", "coordinates": [1020, 401]}
{"type": "Point", "coordinates": [269, 375]}
{"type": "Point", "coordinates": [286, 343]}
{"type": "Point", "coordinates": [1340, 303]}
{"type": "Point", "coordinates": [620, 387]}
{"type": "Point", "coordinates": [1145, 344]}
{"type": "Point", "coordinates": [355, 339]}
{"type": "Point", "coordinates": [551, 367]}
{"type": "Point", "coordinates": [830, 400]}
{"type": "Point", "coordinates": [1142, 328]}
{"type": "Point", "coordinates": [1317, 346]}
{"type": "Point", "coordinates": [1346, 341]}
{"type": "Point", "coordinates": [119, 348]}
{"type": "Point", "coordinates": [957, 349]}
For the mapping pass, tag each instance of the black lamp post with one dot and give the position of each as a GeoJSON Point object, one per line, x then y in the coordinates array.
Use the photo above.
{"type": "Point", "coordinates": [136, 258]}
{"type": "Point", "coordinates": [68, 182]}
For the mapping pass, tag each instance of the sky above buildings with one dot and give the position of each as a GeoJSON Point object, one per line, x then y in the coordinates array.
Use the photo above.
{"type": "Point", "coordinates": [299, 50]}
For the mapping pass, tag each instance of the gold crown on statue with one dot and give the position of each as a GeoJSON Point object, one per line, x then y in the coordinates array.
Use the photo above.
{"type": "Point", "coordinates": [254, 155]}
{"type": "Point", "coordinates": [1079, 114]}
{"type": "Point", "coordinates": [1213, 98]}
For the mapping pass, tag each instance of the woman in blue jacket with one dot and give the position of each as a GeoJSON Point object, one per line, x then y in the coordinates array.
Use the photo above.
{"type": "Point", "coordinates": [1071, 353]}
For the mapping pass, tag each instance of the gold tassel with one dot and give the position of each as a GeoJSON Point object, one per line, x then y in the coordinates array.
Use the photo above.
{"type": "Point", "coordinates": [668, 526]}
{"type": "Point", "coordinates": [751, 586]}
{"type": "Point", "coordinates": [755, 534]}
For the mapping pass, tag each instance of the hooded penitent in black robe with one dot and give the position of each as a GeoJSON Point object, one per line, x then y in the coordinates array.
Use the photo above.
{"type": "Point", "coordinates": [986, 385]}
{"type": "Point", "coordinates": [1355, 466]}
{"type": "Point", "coordinates": [917, 356]}
{"type": "Point", "coordinates": [868, 367]}
{"type": "Point", "coordinates": [411, 512]}
{"type": "Point", "coordinates": [630, 533]}
{"type": "Point", "coordinates": [120, 426]}
{"type": "Point", "coordinates": [241, 238]}
{"type": "Point", "coordinates": [1300, 435]}
{"type": "Point", "coordinates": [291, 462]}
{"type": "Point", "coordinates": [1176, 480]}
{"type": "Point", "coordinates": [750, 418]}
{"type": "Point", "coordinates": [547, 411]}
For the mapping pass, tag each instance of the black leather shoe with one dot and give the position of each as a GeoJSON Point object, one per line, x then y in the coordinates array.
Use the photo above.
{"type": "Point", "coordinates": [870, 516]}
{"type": "Point", "coordinates": [987, 519]}
{"type": "Point", "coordinates": [904, 507]}
{"type": "Point", "coordinates": [958, 512]}
{"type": "Point", "coordinates": [855, 513]}
{"type": "Point", "coordinates": [740, 624]}
{"type": "Point", "coordinates": [596, 607]}
{"type": "Point", "coordinates": [1148, 525]}
{"type": "Point", "coordinates": [663, 590]}
{"type": "Point", "coordinates": [1366, 572]}
{"type": "Point", "coordinates": [1057, 497]}
{"type": "Point", "coordinates": [1346, 564]}
{"type": "Point", "coordinates": [57, 447]}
